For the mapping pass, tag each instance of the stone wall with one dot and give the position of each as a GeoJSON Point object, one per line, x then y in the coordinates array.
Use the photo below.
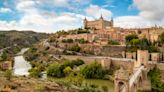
{"type": "Point", "coordinates": [106, 62]}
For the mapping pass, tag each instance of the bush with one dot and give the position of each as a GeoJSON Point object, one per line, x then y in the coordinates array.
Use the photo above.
{"type": "Point", "coordinates": [78, 62]}
{"type": "Point", "coordinates": [75, 48]}
{"type": "Point", "coordinates": [8, 74]}
{"type": "Point", "coordinates": [162, 37]}
{"type": "Point", "coordinates": [35, 72]}
{"type": "Point", "coordinates": [82, 41]}
{"type": "Point", "coordinates": [67, 70]}
{"type": "Point", "coordinates": [111, 42]}
{"type": "Point", "coordinates": [93, 70]}
{"type": "Point", "coordinates": [67, 40]}
{"type": "Point", "coordinates": [55, 70]}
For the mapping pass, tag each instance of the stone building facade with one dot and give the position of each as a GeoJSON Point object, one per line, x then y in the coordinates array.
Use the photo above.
{"type": "Point", "coordinates": [102, 30]}
{"type": "Point", "coordinates": [98, 24]}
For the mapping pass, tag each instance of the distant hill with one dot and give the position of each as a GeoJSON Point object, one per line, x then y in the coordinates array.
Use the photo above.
{"type": "Point", "coordinates": [20, 38]}
{"type": "Point", "coordinates": [11, 42]}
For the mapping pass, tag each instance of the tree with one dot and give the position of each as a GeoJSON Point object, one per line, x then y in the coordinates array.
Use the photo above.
{"type": "Point", "coordinates": [162, 38]}
{"type": "Point", "coordinates": [130, 37]}
{"type": "Point", "coordinates": [111, 42]}
{"type": "Point", "coordinates": [75, 48]}
{"type": "Point", "coordinates": [8, 74]}
{"type": "Point", "coordinates": [55, 70]}
{"type": "Point", "coordinates": [35, 72]}
{"type": "Point", "coordinates": [77, 62]}
{"type": "Point", "coordinates": [67, 70]}
{"type": "Point", "coordinates": [93, 70]}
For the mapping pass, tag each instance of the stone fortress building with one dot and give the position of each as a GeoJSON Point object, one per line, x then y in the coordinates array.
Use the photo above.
{"type": "Point", "coordinates": [102, 30]}
{"type": "Point", "coordinates": [98, 24]}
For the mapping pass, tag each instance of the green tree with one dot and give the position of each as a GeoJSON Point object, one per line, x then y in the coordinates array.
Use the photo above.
{"type": "Point", "coordinates": [162, 38]}
{"type": "Point", "coordinates": [55, 70]}
{"type": "Point", "coordinates": [75, 48]}
{"type": "Point", "coordinates": [111, 42]}
{"type": "Point", "coordinates": [77, 62]}
{"type": "Point", "coordinates": [8, 74]}
{"type": "Point", "coordinates": [35, 72]}
{"type": "Point", "coordinates": [67, 70]}
{"type": "Point", "coordinates": [130, 37]}
{"type": "Point", "coordinates": [93, 70]}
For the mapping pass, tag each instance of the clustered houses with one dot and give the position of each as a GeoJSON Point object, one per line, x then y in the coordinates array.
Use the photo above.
{"type": "Point", "coordinates": [101, 31]}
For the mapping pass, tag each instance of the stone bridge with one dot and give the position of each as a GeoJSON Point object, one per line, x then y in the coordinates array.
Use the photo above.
{"type": "Point", "coordinates": [133, 74]}
{"type": "Point", "coordinates": [137, 80]}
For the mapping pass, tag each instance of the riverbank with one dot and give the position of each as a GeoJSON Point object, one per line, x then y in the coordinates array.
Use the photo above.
{"type": "Point", "coordinates": [21, 66]}
{"type": "Point", "coordinates": [99, 83]}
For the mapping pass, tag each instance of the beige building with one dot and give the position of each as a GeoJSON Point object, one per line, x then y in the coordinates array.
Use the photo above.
{"type": "Point", "coordinates": [102, 30]}
{"type": "Point", "coordinates": [99, 24]}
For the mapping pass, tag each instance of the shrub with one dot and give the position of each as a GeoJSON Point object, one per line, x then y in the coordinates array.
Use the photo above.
{"type": "Point", "coordinates": [93, 70]}
{"type": "Point", "coordinates": [55, 70]}
{"type": "Point", "coordinates": [111, 42]}
{"type": "Point", "coordinates": [67, 40]}
{"type": "Point", "coordinates": [78, 62]}
{"type": "Point", "coordinates": [8, 74]}
{"type": "Point", "coordinates": [35, 72]}
{"type": "Point", "coordinates": [75, 48]}
{"type": "Point", "coordinates": [67, 70]}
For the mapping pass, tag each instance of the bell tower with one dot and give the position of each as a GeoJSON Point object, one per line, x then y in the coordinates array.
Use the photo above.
{"type": "Point", "coordinates": [85, 23]}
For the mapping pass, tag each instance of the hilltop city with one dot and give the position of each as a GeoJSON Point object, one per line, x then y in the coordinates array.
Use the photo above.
{"type": "Point", "coordinates": [77, 46]}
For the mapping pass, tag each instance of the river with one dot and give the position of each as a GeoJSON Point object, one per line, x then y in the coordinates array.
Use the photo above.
{"type": "Point", "coordinates": [21, 66]}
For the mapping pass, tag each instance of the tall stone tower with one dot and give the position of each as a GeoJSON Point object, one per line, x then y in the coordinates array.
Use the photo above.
{"type": "Point", "coordinates": [112, 22]}
{"type": "Point", "coordinates": [143, 57]}
{"type": "Point", "coordinates": [85, 23]}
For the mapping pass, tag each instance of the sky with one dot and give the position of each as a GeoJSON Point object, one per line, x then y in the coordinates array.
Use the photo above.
{"type": "Point", "coordinates": [52, 15]}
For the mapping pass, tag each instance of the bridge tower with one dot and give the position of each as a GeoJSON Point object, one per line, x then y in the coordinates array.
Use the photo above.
{"type": "Point", "coordinates": [142, 58]}
{"type": "Point", "coordinates": [121, 81]}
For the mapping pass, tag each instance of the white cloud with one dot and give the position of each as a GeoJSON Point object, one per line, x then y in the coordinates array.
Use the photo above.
{"type": "Point", "coordinates": [132, 22]}
{"type": "Point", "coordinates": [151, 13]}
{"type": "Point", "coordinates": [5, 10]}
{"type": "Point", "coordinates": [35, 19]}
{"type": "Point", "coordinates": [95, 11]}
{"type": "Point", "coordinates": [150, 9]}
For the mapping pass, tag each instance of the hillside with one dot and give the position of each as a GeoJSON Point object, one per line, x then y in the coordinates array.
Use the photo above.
{"type": "Point", "coordinates": [23, 38]}
{"type": "Point", "coordinates": [12, 41]}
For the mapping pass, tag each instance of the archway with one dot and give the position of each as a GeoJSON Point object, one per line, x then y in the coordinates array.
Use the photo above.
{"type": "Point", "coordinates": [121, 87]}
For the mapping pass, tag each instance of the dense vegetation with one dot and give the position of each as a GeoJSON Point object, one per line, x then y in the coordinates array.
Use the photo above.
{"type": "Point", "coordinates": [93, 70]}
{"type": "Point", "coordinates": [12, 41]}
{"type": "Point", "coordinates": [23, 38]}
{"type": "Point", "coordinates": [154, 76]}
{"type": "Point", "coordinates": [61, 70]}
{"type": "Point", "coordinates": [162, 38]}
{"type": "Point", "coordinates": [112, 42]}
{"type": "Point", "coordinates": [133, 43]}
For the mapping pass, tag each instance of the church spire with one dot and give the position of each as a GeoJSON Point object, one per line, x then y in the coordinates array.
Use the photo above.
{"type": "Point", "coordinates": [101, 17]}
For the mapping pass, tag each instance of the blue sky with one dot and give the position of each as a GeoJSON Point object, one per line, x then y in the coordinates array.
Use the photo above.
{"type": "Point", "coordinates": [53, 15]}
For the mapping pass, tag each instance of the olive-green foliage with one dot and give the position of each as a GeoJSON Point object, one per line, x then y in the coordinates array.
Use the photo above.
{"type": "Point", "coordinates": [55, 70]}
{"type": "Point", "coordinates": [62, 32]}
{"type": "Point", "coordinates": [111, 42]}
{"type": "Point", "coordinates": [67, 40]}
{"type": "Point", "coordinates": [34, 72]}
{"type": "Point", "coordinates": [93, 70]}
{"type": "Point", "coordinates": [81, 41]}
{"type": "Point", "coordinates": [67, 70]}
{"type": "Point", "coordinates": [61, 70]}
{"type": "Point", "coordinates": [130, 37]}
{"type": "Point", "coordinates": [75, 48]}
{"type": "Point", "coordinates": [154, 76]}
{"type": "Point", "coordinates": [133, 43]}
{"type": "Point", "coordinates": [162, 38]}
{"type": "Point", "coordinates": [77, 62]}
{"type": "Point", "coordinates": [3, 57]}
{"type": "Point", "coordinates": [8, 74]}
